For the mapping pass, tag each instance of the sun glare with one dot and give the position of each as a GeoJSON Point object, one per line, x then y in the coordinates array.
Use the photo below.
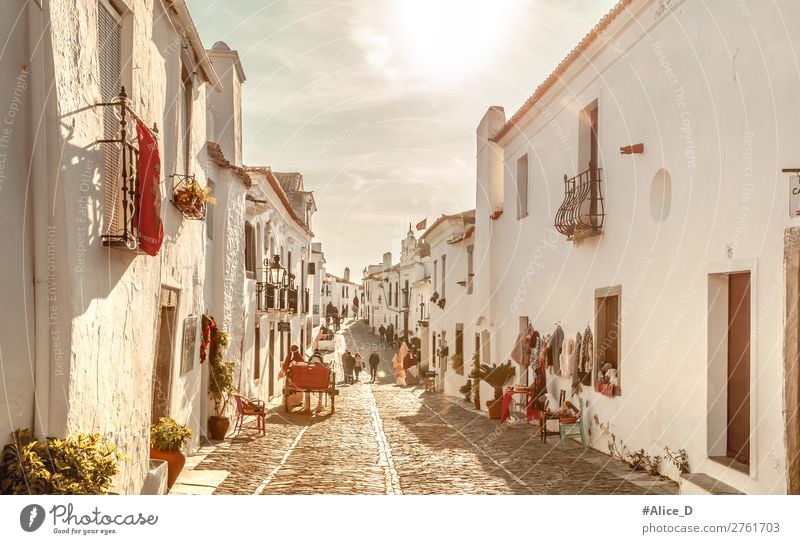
{"type": "Point", "coordinates": [450, 38]}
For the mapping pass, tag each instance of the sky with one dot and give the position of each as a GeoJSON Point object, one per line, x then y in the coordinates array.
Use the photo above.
{"type": "Point", "coordinates": [376, 102]}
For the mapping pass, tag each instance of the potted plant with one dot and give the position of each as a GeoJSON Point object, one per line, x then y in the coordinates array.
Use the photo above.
{"type": "Point", "coordinates": [191, 199]}
{"type": "Point", "coordinates": [441, 303]}
{"type": "Point", "coordinates": [434, 297]}
{"type": "Point", "coordinates": [167, 437]}
{"type": "Point", "coordinates": [466, 390]}
{"type": "Point", "coordinates": [458, 361]}
{"type": "Point", "coordinates": [83, 464]}
{"type": "Point", "coordinates": [497, 377]}
{"type": "Point", "coordinates": [220, 386]}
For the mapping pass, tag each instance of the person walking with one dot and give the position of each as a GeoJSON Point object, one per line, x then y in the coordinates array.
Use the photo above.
{"type": "Point", "coordinates": [358, 364]}
{"type": "Point", "coordinates": [382, 332]}
{"type": "Point", "coordinates": [348, 363]}
{"type": "Point", "coordinates": [374, 361]}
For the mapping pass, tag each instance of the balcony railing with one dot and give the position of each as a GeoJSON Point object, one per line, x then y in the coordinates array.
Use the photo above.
{"type": "Point", "coordinates": [266, 299]}
{"type": "Point", "coordinates": [273, 299]}
{"type": "Point", "coordinates": [122, 231]}
{"type": "Point", "coordinates": [582, 212]}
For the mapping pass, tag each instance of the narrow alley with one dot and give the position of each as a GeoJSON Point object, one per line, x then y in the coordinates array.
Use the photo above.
{"type": "Point", "coordinates": [387, 439]}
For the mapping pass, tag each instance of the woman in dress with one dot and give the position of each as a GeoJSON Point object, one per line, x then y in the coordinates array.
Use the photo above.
{"type": "Point", "coordinates": [359, 364]}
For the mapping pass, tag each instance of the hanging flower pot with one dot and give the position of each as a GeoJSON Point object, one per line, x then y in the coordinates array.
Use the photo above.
{"type": "Point", "coordinates": [190, 198]}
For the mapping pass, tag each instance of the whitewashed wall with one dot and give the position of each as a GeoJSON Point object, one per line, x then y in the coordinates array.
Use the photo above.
{"type": "Point", "coordinates": [107, 300]}
{"type": "Point", "coordinates": [706, 103]}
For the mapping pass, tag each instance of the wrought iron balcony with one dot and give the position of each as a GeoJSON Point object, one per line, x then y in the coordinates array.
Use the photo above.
{"type": "Point", "coordinates": [121, 160]}
{"type": "Point", "coordinates": [582, 212]}
{"type": "Point", "coordinates": [266, 297]}
{"type": "Point", "coordinates": [291, 300]}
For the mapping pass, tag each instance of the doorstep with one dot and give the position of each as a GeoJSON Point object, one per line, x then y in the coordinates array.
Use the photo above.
{"type": "Point", "coordinates": [699, 483]}
{"type": "Point", "coordinates": [198, 482]}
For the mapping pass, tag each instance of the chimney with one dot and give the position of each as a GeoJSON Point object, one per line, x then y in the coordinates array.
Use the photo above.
{"type": "Point", "coordinates": [387, 260]}
{"type": "Point", "coordinates": [347, 274]}
{"type": "Point", "coordinates": [225, 108]}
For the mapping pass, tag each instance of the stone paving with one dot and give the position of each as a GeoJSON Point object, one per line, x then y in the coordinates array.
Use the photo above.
{"type": "Point", "coordinates": [386, 439]}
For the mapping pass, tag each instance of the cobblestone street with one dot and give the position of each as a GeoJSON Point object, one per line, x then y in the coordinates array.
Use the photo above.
{"type": "Point", "coordinates": [385, 439]}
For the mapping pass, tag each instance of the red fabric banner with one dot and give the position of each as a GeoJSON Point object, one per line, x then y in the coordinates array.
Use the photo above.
{"type": "Point", "coordinates": [147, 215]}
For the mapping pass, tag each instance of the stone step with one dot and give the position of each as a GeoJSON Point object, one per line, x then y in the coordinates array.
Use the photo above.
{"type": "Point", "coordinates": [700, 483]}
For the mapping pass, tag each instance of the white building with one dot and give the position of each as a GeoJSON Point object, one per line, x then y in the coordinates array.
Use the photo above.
{"type": "Point", "coordinates": [112, 333]}
{"type": "Point", "coordinates": [397, 295]}
{"type": "Point", "coordinates": [686, 273]}
{"type": "Point", "coordinates": [341, 293]}
{"type": "Point", "coordinates": [452, 302]}
{"type": "Point", "coordinates": [317, 272]}
{"type": "Point", "coordinates": [276, 318]}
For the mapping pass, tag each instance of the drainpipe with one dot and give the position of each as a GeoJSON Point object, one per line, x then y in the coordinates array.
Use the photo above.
{"type": "Point", "coordinates": [40, 181]}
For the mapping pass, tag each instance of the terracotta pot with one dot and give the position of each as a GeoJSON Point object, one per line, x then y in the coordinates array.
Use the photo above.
{"type": "Point", "coordinates": [218, 427]}
{"type": "Point", "coordinates": [495, 407]}
{"type": "Point", "coordinates": [175, 461]}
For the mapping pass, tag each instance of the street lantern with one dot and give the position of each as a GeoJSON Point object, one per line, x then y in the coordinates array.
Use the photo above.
{"type": "Point", "coordinates": [276, 273]}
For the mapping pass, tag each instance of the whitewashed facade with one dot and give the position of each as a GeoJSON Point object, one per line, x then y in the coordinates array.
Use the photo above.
{"type": "Point", "coordinates": [107, 322]}
{"type": "Point", "coordinates": [451, 305]}
{"type": "Point", "coordinates": [274, 228]}
{"type": "Point", "coordinates": [340, 292]}
{"type": "Point", "coordinates": [113, 334]}
{"type": "Point", "coordinates": [699, 236]}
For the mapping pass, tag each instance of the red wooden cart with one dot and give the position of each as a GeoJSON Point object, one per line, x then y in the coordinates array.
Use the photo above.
{"type": "Point", "coordinates": [310, 378]}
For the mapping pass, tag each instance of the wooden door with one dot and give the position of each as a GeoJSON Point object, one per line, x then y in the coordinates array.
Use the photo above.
{"type": "Point", "coordinates": [738, 432]}
{"type": "Point", "coordinates": [257, 361]}
{"type": "Point", "coordinates": [271, 359]}
{"type": "Point", "coordinates": [162, 367]}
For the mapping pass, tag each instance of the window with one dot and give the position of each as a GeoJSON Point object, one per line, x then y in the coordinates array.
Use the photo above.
{"type": "Point", "coordinates": [109, 57]}
{"type": "Point", "coordinates": [444, 281]}
{"type": "Point", "coordinates": [460, 348]}
{"type": "Point", "coordinates": [210, 213]}
{"type": "Point", "coordinates": [470, 272]}
{"type": "Point", "coordinates": [435, 274]}
{"type": "Point", "coordinates": [405, 295]}
{"type": "Point", "coordinates": [185, 119]}
{"type": "Point", "coordinates": [588, 134]}
{"type": "Point", "coordinates": [607, 344]}
{"type": "Point", "coordinates": [189, 343]}
{"type": "Point", "coordinates": [522, 187]}
{"type": "Point", "coordinates": [249, 250]}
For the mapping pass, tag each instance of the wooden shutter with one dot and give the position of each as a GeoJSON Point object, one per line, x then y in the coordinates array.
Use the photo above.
{"type": "Point", "coordinates": [109, 61]}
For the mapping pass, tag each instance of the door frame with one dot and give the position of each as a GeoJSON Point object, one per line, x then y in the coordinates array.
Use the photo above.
{"type": "Point", "coordinates": [791, 358]}
{"type": "Point", "coordinates": [717, 269]}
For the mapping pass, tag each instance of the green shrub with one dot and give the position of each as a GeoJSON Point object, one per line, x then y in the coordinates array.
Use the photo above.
{"type": "Point", "coordinates": [466, 390]}
{"type": "Point", "coordinates": [83, 464]}
{"type": "Point", "coordinates": [168, 435]}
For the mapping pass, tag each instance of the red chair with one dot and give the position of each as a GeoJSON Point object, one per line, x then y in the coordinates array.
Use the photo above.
{"type": "Point", "coordinates": [249, 407]}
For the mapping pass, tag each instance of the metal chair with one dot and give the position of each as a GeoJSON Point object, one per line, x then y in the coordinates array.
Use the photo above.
{"type": "Point", "coordinates": [249, 407]}
{"type": "Point", "coordinates": [573, 426]}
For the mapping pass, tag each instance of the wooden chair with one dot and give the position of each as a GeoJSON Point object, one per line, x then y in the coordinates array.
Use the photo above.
{"type": "Point", "coordinates": [544, 417]}
{"type": "Point", "coordinates": [572, 426]}
{"type": "Point", "coordinates": [249, 407]}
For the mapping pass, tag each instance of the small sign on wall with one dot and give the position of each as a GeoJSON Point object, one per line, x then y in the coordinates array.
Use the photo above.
{"type": "Point", "coordinates": [284, 326]}
{"type": "Point", "coordinates": [794, 195]}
